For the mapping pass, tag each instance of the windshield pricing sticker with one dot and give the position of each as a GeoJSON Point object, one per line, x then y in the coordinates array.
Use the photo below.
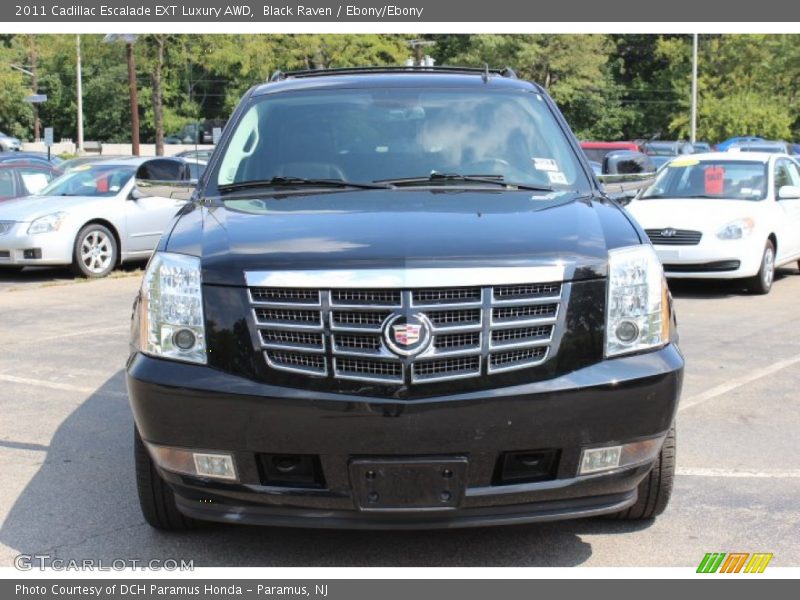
{"type": "Point", "coordinates": [684, 162]}
{"type": "Point", "coordinates": [557, 177]}
{"type": "Point", "coordinates": [714, 180]}
{"type": "Point", "coordinates": [545, 164]}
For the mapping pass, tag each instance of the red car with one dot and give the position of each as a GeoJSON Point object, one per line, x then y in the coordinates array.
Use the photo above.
{"type": "Point", "coordinates": [596, 151]}
{"type": "Point", "coordinates": [23, 178]}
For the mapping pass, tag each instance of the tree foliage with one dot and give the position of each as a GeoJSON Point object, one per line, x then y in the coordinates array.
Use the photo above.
{"type": "Point", "coordinates": [608, 86]}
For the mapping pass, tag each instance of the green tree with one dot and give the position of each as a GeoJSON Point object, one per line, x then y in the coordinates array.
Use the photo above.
{"type": "Point", "coordinates": [575, 70]}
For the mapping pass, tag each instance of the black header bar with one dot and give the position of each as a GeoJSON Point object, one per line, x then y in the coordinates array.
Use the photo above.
{"type": "Point", "coordinates": [409, 11]}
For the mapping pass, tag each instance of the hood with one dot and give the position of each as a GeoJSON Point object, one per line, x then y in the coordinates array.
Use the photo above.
{"type": "Point", "coordinates": [697, 215]}
{"type": "Point", "coordinates": [400, 229]}
{"type": "Point", "coordinates": [30, 208]}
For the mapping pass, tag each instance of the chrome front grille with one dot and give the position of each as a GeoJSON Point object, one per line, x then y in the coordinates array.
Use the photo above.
{"type": "Point", "coordinates": [341, 332]}
{"type": "Point", "coordinates": [674, 237]}
{"type": "Point", "coordinates": [6, 226]}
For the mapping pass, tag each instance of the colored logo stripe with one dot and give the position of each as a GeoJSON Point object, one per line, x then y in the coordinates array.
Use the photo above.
{"type": "Point", "coordinates": [734, 562]}
{"type": "Point", "coordinates": [711, 562]}
{"type": "Point", "coordinates": [758, 563]}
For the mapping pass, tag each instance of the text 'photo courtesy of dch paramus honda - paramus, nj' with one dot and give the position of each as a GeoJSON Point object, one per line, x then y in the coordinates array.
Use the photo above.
{"type": "Point", "coordinates": [400, 299]}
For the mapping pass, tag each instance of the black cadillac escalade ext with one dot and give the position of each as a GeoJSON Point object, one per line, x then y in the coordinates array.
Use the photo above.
{"type": "Point", "coordinates": [400, 299]}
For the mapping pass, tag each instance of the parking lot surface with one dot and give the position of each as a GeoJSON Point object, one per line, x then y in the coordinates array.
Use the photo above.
{"type": "Point", "coordinates": [66, 462]}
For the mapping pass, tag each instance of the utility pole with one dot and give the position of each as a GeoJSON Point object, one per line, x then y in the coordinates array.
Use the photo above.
{"type": "Point", "coordinates": [79, 93]}
{"type": "Point", "coordinates": [134, 98]}
{"type": "Point", "coordinates": [158, 105]}
{"type": "Point", "coordinates": [694, 90]}
{"type": "Point", "coordinates": [35, 85]}
{"type": "Point", "coordinates": [129, 39]}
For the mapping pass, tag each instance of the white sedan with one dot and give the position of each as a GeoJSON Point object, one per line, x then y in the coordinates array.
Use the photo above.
{"type": "Point", "coordinates": [91, 218]}
{"type": "Point", "coordinates": [724, 216]}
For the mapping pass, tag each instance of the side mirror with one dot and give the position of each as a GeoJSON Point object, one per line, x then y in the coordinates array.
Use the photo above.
{"type": "Point", "coordinates": [625, 172]}
{"type": "Point", "coordinates": [627, 162]}
{"type": "Point", "coordinates": [164, 178]}
{"type": "Point", "coordinates": [789, 192]}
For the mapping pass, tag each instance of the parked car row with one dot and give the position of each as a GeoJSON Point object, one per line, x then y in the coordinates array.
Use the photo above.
{"type": "Point", "coordinates": [724, 215]}
{"type": "Point", "coordinates": [91, 216]}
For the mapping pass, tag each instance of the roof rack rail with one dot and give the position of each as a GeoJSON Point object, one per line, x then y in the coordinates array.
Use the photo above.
{"type": "Point", "coordinates": [482, 71]}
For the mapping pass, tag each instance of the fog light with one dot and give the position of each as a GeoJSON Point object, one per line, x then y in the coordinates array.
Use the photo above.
{"type": "Point", "coordinates": [600, 459]}
{"type": "Point", "coordinates": [184, 339]}
{"type": "Point", "coordinates": [198, 464]}
{"type": "Point", "coordinates": [594, 460]}
{"type": "Point", "coordinates": [627, 332]}
{"type": "Point", "coordinates": [215, 465]}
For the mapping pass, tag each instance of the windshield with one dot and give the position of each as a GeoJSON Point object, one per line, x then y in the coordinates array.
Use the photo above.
{"type": "Point", "coordinates": [392, 134]}
{"type": "Point", "coordinates": [728, 179]}
{"type": "Point", "coordinates": [90, 180]}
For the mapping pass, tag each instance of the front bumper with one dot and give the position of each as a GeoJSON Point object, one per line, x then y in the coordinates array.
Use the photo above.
{"type": "Point", "coordinates": [713, 259]}
{"type": "Point", "coordinates": [18, 248]}
{"type": "Point", "coordinates": [619, 400]}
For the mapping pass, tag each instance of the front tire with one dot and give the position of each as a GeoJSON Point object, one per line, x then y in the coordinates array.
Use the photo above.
{"type": "Point", "coordinates": [654, 490]}
{"type": "Point", "coordinates": [95, 252]}
{"type": "Point", "coordinates": [761, 283]}
{"type": "Point", "coordinates": [156, 498]}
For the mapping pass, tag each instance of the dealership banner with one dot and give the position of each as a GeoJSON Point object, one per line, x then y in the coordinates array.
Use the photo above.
{"type": "Point", "coordinates": [378, 11]}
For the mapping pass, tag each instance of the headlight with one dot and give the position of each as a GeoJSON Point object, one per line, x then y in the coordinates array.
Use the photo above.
{"type": "Point", "coordinates": [737, 230]}
{"type": "Point", "coordinates": [47, 223]}
{"type": "Point", "coordinates": [172, 324]}
{"type": "Point", "coordinates": [637, 311]}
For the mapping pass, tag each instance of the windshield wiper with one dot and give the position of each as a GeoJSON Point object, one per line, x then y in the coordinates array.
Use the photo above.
{"type": "Point", "coordinates": [289, 181]}
{"type": "Point", "coordinates": [436, 176]}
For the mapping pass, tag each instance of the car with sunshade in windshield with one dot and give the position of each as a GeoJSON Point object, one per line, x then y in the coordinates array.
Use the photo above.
{"type": "Point", "coordinates": [23, 178]}
{"type": "Point", "coordinates": [91, 218]}
{"type": "Point", "coordinates": [724, 216]}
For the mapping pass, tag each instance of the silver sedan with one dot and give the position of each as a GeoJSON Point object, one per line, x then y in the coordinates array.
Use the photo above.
{"type": "Point", "coordinates": [91, 218]}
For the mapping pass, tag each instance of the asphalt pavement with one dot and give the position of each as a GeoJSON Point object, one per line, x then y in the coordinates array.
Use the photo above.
{"type": "Point", "coordinates": [66, 468]}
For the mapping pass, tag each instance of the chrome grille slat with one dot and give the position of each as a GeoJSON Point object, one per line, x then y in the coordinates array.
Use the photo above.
{"type": "Point", "coordinates": [474, 330]}
{"type": "Point", "coordinates": [446, 296]}
{"type": "Point", "coordinates": [368, 370]}
{"type": "Point", "coordinates": [508, 360]}
{"type": "Point", "coordinates": [357, 320]}
{"type": "Point", "coordinates": [526, 292]}
{"type": "Point", "coordinates": [446, 368]}
{"type": "Point", "coordinates": [348, 343]}
{"type": "Point", "coordinates": [366, 298]}
{"type": "Point", "coordinates": [288, 319]}
{"type": "Point", "coordinates": [286, 339]}
{"type": "Point", "coordinates": [284, 297]}
{"type": "Point", "coordinates": [311, 364]}
{"type": "Point", "coordinates": [443, 320]}
{"type": "Point", "coordinates": [520, 337]}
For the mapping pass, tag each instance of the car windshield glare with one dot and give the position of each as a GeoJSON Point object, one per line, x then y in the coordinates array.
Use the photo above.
{"type": "Point", "coordinates": [717, 179]}
{"type": "Point", "coordinates": [393, 134]}
{"type": "Point", "coordinates": [86, 180]}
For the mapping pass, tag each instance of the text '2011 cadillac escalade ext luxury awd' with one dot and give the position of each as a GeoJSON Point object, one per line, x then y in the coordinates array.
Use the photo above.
{"type": "Point", "coordinates": [400, 299]}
